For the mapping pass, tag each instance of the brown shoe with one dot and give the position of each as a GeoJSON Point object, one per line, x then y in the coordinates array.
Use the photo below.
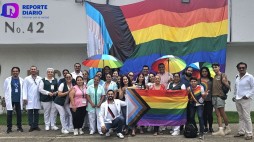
{"type": "Point", "coordinates": [248, 138]}
{"type": "Point", "coordinates": [239, 135]}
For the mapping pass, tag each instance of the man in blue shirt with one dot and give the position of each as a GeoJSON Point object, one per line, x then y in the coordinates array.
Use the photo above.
{"type": "Point", "coordinates": [13, 95]}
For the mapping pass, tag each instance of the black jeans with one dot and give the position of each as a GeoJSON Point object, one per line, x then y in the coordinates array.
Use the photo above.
{"type": "Point", "coordinates": [18, 112]}
{"type": "Point", "coordinates": [78, 117]}
{"type": "Point", "coordinates": [208, 114]}
{"type": "Point", "coordinates": [33, 117]}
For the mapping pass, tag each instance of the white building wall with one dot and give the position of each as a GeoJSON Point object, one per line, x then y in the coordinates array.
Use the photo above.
{"type": "Point", "coordinates": [65, 37]}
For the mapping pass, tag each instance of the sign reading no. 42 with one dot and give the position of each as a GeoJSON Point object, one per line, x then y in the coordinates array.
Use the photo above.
{"type": "Point", "coordinates": [32, 27]}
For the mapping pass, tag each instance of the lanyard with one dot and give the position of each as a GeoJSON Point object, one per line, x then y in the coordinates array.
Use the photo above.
{"type": "Point", "coordinates": [83, 94]}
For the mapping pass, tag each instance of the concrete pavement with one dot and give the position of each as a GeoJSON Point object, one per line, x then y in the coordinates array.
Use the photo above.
{"type": "Point", "coordinates": [56, 136]}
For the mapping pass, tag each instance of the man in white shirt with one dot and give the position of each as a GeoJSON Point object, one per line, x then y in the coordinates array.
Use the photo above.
{"type": "Point", "coordinates": [111, 116]}
{"type": "Point", "coordinates": [77, 71]}
{"type": "Point", "coordinates": [31, 98]}
{"type": "Point", "coordinates": [145, 71]}
{"type": "Point", "coordinates": [244, 92]}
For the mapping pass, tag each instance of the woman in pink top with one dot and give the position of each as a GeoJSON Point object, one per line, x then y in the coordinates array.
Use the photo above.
{"type": "Point", "coordinates": [78, 104]}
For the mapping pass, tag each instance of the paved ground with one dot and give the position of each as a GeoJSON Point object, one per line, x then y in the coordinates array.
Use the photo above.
{"type": "Point", "coordinates": [56, 136]}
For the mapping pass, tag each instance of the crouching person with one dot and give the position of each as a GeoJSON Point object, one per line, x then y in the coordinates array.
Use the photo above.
{"type": "Point", "coordinates": [111, 116]}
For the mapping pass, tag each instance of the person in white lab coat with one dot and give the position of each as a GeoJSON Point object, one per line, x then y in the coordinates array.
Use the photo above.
{"type": "Point", "coordinates": [13, 97]}
{"type": "Point", "coordinates": [31, 98]}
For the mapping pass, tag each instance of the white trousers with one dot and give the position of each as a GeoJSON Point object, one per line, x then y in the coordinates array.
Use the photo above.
{"type": "Point", "coordinates": [176, 128]}
{"type": "Point", "coordinates": [94, 120]}
{"type": "Point", "coordinates": [65, 116]}
{"type": "Point", "coordinates": [50, 113]}
{"type": "Point", "coordinates": [245, 124]}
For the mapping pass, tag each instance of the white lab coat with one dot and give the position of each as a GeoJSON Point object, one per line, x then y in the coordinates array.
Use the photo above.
{"type": "Point", "coordinates": [7, 93]}
{"type": "Point", "coordinates": [104, 111]}
{"type": "Point", "coordinates": [31, 92]}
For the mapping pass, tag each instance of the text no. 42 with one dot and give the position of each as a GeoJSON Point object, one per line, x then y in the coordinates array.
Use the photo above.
{"type": "Point", "coordinates": [31, 28]}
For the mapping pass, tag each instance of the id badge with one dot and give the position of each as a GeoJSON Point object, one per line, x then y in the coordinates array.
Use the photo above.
{"type": "Point", "coordinates": [83, 101]}
{"type": "Point", "coordinates": [16, 90]}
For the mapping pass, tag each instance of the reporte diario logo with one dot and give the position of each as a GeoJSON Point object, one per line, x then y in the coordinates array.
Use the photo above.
{"type": "Point", "coordinates": [10, 10]}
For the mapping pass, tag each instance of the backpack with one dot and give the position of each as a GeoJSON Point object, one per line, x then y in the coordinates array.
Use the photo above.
{"type": "Point", "coordinates": [190, 131]}
{"type": "Point", "coordinates": [225, 89]}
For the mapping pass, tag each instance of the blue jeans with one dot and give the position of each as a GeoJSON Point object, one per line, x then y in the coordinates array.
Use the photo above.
{"type": "Point", "coordinates": [117, 123]}
{"type": "Point", "coordinates": [199, 110]}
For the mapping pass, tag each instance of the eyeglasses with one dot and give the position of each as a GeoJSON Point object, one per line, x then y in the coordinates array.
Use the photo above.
{"type": "Point", "coordinates": [77, 66]}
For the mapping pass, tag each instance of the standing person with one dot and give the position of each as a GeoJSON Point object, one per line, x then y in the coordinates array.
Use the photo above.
{"type": "Point", "coordinates": [198, 95]}
{"type": "Point", "coordinates": [109, 84]}
{"type": "Point", "coordinates": [185, 79]}
{"type": "Point", "coordinates": [78, 103]}
{"type": "Point", "coordinates": [62, 80]}
{"type": "Point", "coordinates": [218, 103]}
{"type": "Point", "coordinates": [145, 72]}
{"type": "Point", "coordinates": [176, 85]}
{"type": "Point", "coordinates": [125, 83]}
{"type": "Point", "coordinates": [157, 86]}
{"type": "Point", "coordinates": [151, 80]}
{"type": "Point", "coordinates": [91, 81]}
{"type": "Point", "coordinates": [111, 116]}
{"type": "Point", "coordinates": [31, 98]}
{"type": "Point", "coordinates": [85, 77]}
{"type": "Point", "coordinates": [77, 71]}
{"type": "Point", "coordinates": [115, 76]}
{"type": "Point", "coordinates": [13, 91]}
{"type": "Point", "coordinates": [244, 93]}
{"type": "Point", "coordinates": [207, 82]}
{"type": "Point", "coordinates": [48, 88]}
{"type": "Point", "coordinates": [131, 76]}
{"type": "Point", "coordinates": [95, 97]}
{"type": "Point", "coordinates": [166, 77]}
{"type": "Point", "coordinates": [106, 70]}
{"type": "Point", "coordinates": [62, 103]}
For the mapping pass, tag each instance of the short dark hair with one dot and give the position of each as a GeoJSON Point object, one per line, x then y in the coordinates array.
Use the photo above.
{"type": "Point", "coordinates": [193, 78]}
{"type": "Point", "coordinates": [146, 66]}
{"type": "Point", "coordinates": [241, 63]}
{"type": "Point", "coordinates": [65, 70]}
{"type": "Point", "coordinates": [79, 77]}
{"type": "Point", "coordinates": [15, 68]}
{"type": "Point", "coordinates": [215, 64]}
{"type": "Point", "coordinates": [176, 73]}
{"type": "Point", "coordinates": [161, 64]}
{"type": "Point", "coordinates": [110, 90]}
{"type": "Point", "coordinates": [77, 64]}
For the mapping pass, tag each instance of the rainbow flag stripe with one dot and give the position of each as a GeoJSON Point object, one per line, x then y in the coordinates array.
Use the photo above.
{"type": "Point", "coordinates": [156, 108]}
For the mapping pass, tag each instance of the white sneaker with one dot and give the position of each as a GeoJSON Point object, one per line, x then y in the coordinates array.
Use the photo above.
{"type": "Point", "coordinates": [100, 133]}
{"type": "Point", "coordinates": [47, 128]}
{"type": "Point", "coordinates": [64, 131]}
{"type": "Point", "coordinates": [108, 134]}
{"type": "Point", "coordinates": [80, 131]}
{"type": "Point", "coordinates": [75, 133]}
{"type": "Point", "coordinates": [175, 133]}
{"type": "Point", "coordinates": [120, 135]}
{"type": "Point", "coordinates": [71, 130]}
{"type": "Point", "coordinates": [91, 132]}
{"type": "Point", "coordinates": [54, 128]}
{"type": "Point", "coordinates": [227, 130]}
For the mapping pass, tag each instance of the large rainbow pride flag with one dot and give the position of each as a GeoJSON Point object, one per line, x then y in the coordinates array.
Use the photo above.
{"type": "Point", "coordinates": [156, 108]}
{"type": "Point", "coordinates": [139, 33]}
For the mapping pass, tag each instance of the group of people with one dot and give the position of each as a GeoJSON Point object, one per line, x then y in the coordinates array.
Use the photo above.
{"type": "Point", "coordinates": [100, 102]}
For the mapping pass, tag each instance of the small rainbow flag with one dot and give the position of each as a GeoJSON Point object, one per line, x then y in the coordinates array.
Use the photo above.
{"type": "Point", "coordinates": [156, 107]}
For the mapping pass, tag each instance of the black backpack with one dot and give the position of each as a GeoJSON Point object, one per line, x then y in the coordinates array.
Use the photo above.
{"type": "Point", "coordinates": [190, 131]}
